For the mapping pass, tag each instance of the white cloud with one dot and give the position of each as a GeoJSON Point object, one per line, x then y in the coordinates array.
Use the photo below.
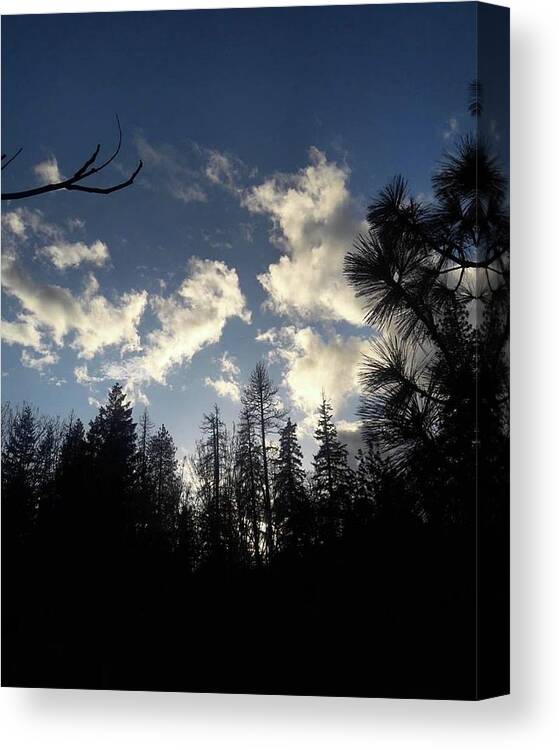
{"type": "Point", "coordinates": [90, 319]}
{"type": "Point", "coordinates": [71, 254]}
{"type": "Point", "coordinates": [23, 331]}
{"type": "Point", "coordinates": [227, 364]}
{"type": "Point", "coordinates": [52, 315]}
{"type": "Point", "coordinates": [21, 222]}
{"type": "Point", "coordinates": [189, 320]}
{"type": "Point", "coordinates": [83, 377]}
{"type": "Point", "coordinates": [47, 171]}
{"type": "Point", "coordinates": [315, 220]}
{"type": "Point", "coordinates": [14, 223]}
{"type": "Point", "coordinates": [228, 385]}
{"type": "Point", "coordinates": [225, 388]}
{"type": "Point", "coordinates": [314, 364]}
{"type": "Point", "coordinates": [40, 361]}
{"type": "Point", "coordinates": [345, 425]}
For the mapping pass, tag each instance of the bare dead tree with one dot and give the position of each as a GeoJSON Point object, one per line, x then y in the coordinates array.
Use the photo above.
{"type": "Point", "coordinates": [260, 399]}
{"type": "Point", "coordinates": [87, 169]}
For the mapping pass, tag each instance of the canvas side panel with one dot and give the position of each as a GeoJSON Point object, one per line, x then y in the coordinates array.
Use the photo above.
{"type": "Point", "coordinates": [492, 321]}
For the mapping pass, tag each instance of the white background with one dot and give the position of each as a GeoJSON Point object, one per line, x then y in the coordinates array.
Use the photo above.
{"type": "Point", "coordinates": [527, 719]}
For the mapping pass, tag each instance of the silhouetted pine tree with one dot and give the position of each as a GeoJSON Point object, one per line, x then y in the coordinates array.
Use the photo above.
{"type": "Point", "coordinates": [71, 470]}
{"type": "Point", "coordinates": [111, 443]}
{"type": "Point", "coordinates": [363, 505]}
{"type": "Point", "coordinates": [164, 482]}
{"type": "Point", "coordinates": [49, 436]}
{"type": "Point", "coordinates": [332, 477]}
{"type": "Point", "coordinates": [292, 510]}
{"type": "Point", "coordinates": [145, 429]}
{"type": "Point", "coordinates": [19, 490]}
{"type": "Point", "coordinates": [434, 278]}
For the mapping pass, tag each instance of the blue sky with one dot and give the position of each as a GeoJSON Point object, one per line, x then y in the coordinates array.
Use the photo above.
{"type": "Point", "coordinates": [264, 134]}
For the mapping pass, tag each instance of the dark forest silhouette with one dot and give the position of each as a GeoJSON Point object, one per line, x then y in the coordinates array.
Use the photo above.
{"type": "Point", "coordinates": [240, 572]}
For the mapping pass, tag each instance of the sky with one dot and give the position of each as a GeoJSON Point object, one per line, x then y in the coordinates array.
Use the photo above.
{"type": "Point", "coordinates": [264, 136]}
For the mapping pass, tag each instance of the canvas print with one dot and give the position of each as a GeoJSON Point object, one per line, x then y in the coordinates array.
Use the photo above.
{"type": "Point", "coordinates": [255, 325]}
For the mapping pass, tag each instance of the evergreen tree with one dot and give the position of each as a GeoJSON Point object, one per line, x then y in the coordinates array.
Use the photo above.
{"type": "Point", "coordinates": [111, 442]}
{"type": "Point", "coordinates": [46, 463]}
{"type": "Point", "coordinates": [434, 278]}
{"type": "Point", "coordinates": [145, 428]}
{"type": "Point", "coordinates": [65, 517]}
{"type": "Point", "coordinates": [363, 506]}
{"type": "Point", "coordinates": [165, 483]}
{"type": "Point", "coordinates": [72, 452]}
{"type": "Point", "coordinates": [71, 469]}
{"type": "Point", "coordinates": [332, 476]}
{"type": "Point", "coordinates": [291, 504]}
{"type": "Point", "coordinates": [19, 491]}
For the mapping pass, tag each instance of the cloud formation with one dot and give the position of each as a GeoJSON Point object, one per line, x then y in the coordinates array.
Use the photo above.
{"type": "Point", "coordinates": [47, 171]}
{"type": "Point", "coordinates": [29, 225]}
{"type": "Point", "coordinates": [14, 223]}
{"type": "Point", "coordinates": [21, 223]}
{"type": "Point", "coordinates": [40, 361]}
{"type": "Point", "coordinates": [51, 316]}
{"type": "Point", "coordinates": [71, 254]}
{"type": "Point", "coordinates": [187, 174]}
{"type": "Point", "coordinates": [226, 386]}
{"type": "Point", "coordinates": [88, 321]}
{"type": "Point", "coordinates": [24, 331]}
{"type": "Point", "coordinates": [314, 364]}
{"type": "Point", "coordinates": [314, 221]}
{"type": "Point", "coordinates": [189, 320]}
{"type": "Point", "coordinates": [171, 170]}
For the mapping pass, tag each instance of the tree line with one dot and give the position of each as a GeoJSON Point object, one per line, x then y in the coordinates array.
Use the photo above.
{"type": "Point", "coordinates": [242, 499]}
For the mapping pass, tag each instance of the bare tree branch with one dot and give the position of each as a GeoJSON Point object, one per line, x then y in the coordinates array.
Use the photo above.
{"type": "Point", "coordinates": [87, 169]}
{"type": "Point", "coordinates": [10, 160]}
{"type": "Point", "coordinates": [112, 188]}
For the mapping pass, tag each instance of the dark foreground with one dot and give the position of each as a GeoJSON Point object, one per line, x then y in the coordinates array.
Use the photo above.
{"type": "Point", "coordinates": [399, 619]}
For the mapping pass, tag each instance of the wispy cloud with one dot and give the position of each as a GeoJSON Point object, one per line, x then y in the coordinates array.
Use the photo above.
{"type": "Point", "coordinates": [172, 170]}
{"type": "Point", "coordinates": [190, 172]}
{"type": "Point", "coordinates": [47, 171]}
{"type": "Point", "coordinates": [226, 386]}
